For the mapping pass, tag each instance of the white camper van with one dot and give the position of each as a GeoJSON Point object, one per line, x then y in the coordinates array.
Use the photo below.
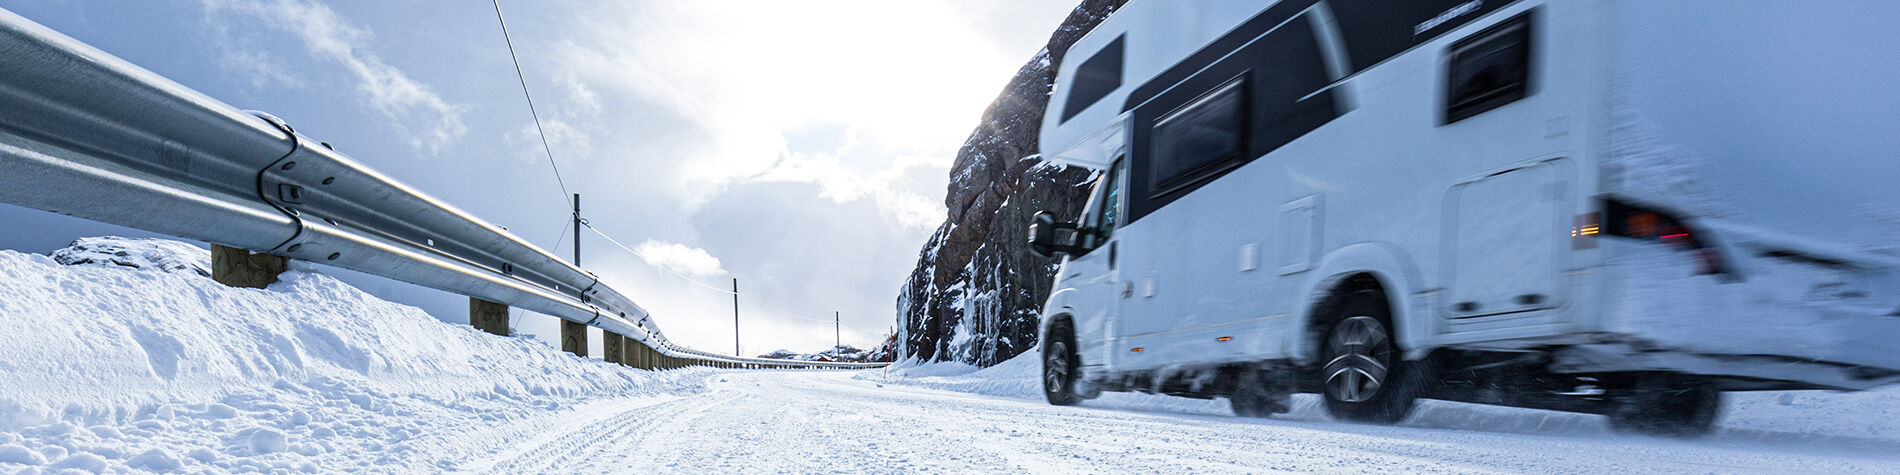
{"type": "Point", "coordinates": [1620, 207]}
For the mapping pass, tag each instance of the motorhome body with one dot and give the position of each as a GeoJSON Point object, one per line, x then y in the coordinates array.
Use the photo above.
{"type": "Point", "coordinates": [1579, 205]}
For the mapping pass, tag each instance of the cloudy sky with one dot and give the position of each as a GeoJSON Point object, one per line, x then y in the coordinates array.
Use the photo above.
{"type": "Point", "coordinates": [801, 147]}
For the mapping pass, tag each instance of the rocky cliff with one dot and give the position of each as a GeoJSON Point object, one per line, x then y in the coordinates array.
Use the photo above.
{"type": "Point", "coordinates": [977, 291]}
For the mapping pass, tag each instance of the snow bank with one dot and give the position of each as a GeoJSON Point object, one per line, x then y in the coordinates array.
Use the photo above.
{"type": "Point", "coordinates": [1857, 420]}
{"type": "Point", "coordinates": [131, 358]}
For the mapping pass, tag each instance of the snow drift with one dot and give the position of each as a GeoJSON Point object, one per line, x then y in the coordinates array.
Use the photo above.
{"type": "Point", "coordinates": [121, 353]}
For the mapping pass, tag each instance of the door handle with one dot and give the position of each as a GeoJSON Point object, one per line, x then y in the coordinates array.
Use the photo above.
{"type": "Point", "coordinates": [1111, 254]}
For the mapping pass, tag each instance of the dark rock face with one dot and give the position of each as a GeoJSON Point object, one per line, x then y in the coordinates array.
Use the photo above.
{"type": "Point", "coordinates": [977, 292]}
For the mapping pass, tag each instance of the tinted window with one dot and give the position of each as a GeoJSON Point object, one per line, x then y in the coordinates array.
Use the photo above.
{"type": "Point", "coordinates": [1488, 70]}
{"type": "Point", "coordinates": [1105, 208]}
{"type": "Point", "coordinates": [1185, 135]}
{"type": "Point", "coordinates": [1110, 209]}
{"type": "Point", "coordinates": [1097, 77]}
{"type": "Point", "coordinates": [1196, 138]}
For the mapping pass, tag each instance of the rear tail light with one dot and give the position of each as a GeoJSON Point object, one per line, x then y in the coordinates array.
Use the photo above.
{"type": "Point", "coordinates": [1643, 224]}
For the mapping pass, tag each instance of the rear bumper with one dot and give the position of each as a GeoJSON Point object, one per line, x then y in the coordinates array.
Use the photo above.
{"type": "Point", "coordinates": [1782, 321]}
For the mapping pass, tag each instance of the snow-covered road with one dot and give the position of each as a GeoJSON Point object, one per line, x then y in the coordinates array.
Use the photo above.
{"type": "Point", "coordinates": [121, 356]}
{"type": "Point", "coordinates": [827, 422]}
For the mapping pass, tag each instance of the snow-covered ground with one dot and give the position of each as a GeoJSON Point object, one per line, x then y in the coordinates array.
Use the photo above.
{"type": "Point", "coordinates": [129, 359]}
{"type": "Point", "coordinates": [1868, 419]}
{"type": "Point", "coordinates": [132, 358]}
{"type": "Point", "coordinates": [838, 422]}
{"type": "Point", "coordinates": [1793, 431]}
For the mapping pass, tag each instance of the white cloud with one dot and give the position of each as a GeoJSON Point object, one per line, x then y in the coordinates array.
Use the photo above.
{"type": "Point", "coordinates": [680, 258]}
{"type": "Point", "coordinates": [424, 117]}
{"type": "Point", "coordinates": [570, 123]}
{"type": "Point", "coordinates": [905, 79]}
{"type": "Point", "coordinates": [261, 68]}
{"type": "Point", "coordinates": [841, 183]}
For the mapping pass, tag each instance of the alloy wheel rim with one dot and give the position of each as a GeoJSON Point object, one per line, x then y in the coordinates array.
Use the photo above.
{"type": "Point", "coordinates": [1361, 353]}
{"type": "Point", "coordinates": [1056, 372]}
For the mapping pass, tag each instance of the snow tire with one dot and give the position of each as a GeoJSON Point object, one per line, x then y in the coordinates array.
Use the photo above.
{"type": "Point", "coordinates": [1668, 405]}
{"type": "Point", "coordinates": [1060, 365]}
{"type": "Point", "coordinates": [1259, 392]}
{"type": "Point", "coordinates": [1364, 377]}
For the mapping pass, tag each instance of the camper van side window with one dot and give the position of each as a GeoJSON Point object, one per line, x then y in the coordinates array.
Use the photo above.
{"type": "Point", "coordinates": [1097, 77]}
{"type": "Point", "coordinates": [1489, 69]}
{"type": "Point", "coordinates": [1198, 138]}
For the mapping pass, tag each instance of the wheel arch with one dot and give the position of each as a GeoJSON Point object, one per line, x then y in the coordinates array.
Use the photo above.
{"type": "Point", "coordinates": [1355, 267]}
{"type": "Point", "coordinates": [1050, 316]}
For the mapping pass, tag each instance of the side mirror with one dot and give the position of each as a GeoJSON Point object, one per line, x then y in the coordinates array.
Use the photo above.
{"type": "Point", "coordinates": [1045, 239]}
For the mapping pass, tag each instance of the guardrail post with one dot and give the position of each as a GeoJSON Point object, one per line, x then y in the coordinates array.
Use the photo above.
{"type": "Point", "coordinates": [574, 338]}
{"type": "Point", "coordinates": [240, 268]}
{"type": "Point", "coordinates": [488, 316]}
{"type": "Point", "coordinates": [626, 351]}
{"type": "Point", "coordinates": [610, 346]}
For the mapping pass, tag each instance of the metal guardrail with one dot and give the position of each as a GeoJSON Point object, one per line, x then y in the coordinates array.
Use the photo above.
{"type": "Point", "coordinates": [86, 134]}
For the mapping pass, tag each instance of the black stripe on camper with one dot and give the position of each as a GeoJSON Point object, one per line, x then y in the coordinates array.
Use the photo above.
{"type": "Point", "coordinates": [1276, 77]}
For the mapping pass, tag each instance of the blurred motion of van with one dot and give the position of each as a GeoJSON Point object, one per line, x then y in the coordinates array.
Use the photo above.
{"type": "Point", "coordinates": [1621, 207]}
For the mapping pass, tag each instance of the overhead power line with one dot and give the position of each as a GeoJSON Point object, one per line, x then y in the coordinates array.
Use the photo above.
{"type": "Point", "coordinates": [531, 110]}
{"type": "Point", "coordinates": [668, 270]}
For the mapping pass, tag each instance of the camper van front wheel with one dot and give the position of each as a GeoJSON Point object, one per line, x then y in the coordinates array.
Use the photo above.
{"type": "Point", "coordinates": [1059, 365]}
{"type": "Point", "coordinates": [1365, 377]}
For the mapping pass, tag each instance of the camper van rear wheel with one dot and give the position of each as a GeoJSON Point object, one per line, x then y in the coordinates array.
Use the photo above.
{"type": "Point", "coordinates": [1365, 377]}
{"type": "Point", "coordinates": [1261, 392]}
{"type": "Point", "coordinates": [1059, 365]}
{"type": "Point", "coordinates": [1668, 405]}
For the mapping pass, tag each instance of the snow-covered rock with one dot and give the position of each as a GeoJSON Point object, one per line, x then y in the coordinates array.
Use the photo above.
{"type": "Point", "coordinates": [120, 354]}
{"type": "Point", "coordinates": [977, 292]}
{"type": "Point", "coordinates": [840, 353]}
{"type": "Point", "coordinates": [154, 254]}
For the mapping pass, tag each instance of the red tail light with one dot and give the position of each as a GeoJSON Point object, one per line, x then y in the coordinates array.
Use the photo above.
{"type": "Point", "coordinates": [1643, 224]}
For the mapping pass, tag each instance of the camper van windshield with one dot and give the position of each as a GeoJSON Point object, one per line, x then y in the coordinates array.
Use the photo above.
{"type": "Point", "coordinates": [1109, 209]}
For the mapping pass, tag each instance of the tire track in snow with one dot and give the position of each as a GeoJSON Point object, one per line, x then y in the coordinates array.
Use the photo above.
{"type": "Point", "coordinates": [825, 422]}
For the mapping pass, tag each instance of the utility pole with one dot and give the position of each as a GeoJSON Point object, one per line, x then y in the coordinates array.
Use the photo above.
{"type": "Point", "coordinates": [577, 230]}
{"type": "Point", "coordinates": [735, 317]}
{"type": "Point", "coordinates": [837, 331]}
{"type": "Point", "coordinates": [574, 334]}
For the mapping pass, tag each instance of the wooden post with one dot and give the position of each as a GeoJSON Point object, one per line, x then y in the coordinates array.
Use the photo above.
{"type": "Point", "coordinates": [574, 338]}
{"type": "Point", "coordinates": [488, 316]}
{"type": "Point", "coordinates": [632, 353]}
{"type": "Point", "coordinates": [240, 268]}
{"type": "Point", "coordinates": [610, 346]}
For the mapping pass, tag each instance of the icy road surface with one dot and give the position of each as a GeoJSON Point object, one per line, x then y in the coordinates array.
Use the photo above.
{"type": "Point", "coordinates": [120, 356]}
{"type": "Point", "coordinates": [827, 422]}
